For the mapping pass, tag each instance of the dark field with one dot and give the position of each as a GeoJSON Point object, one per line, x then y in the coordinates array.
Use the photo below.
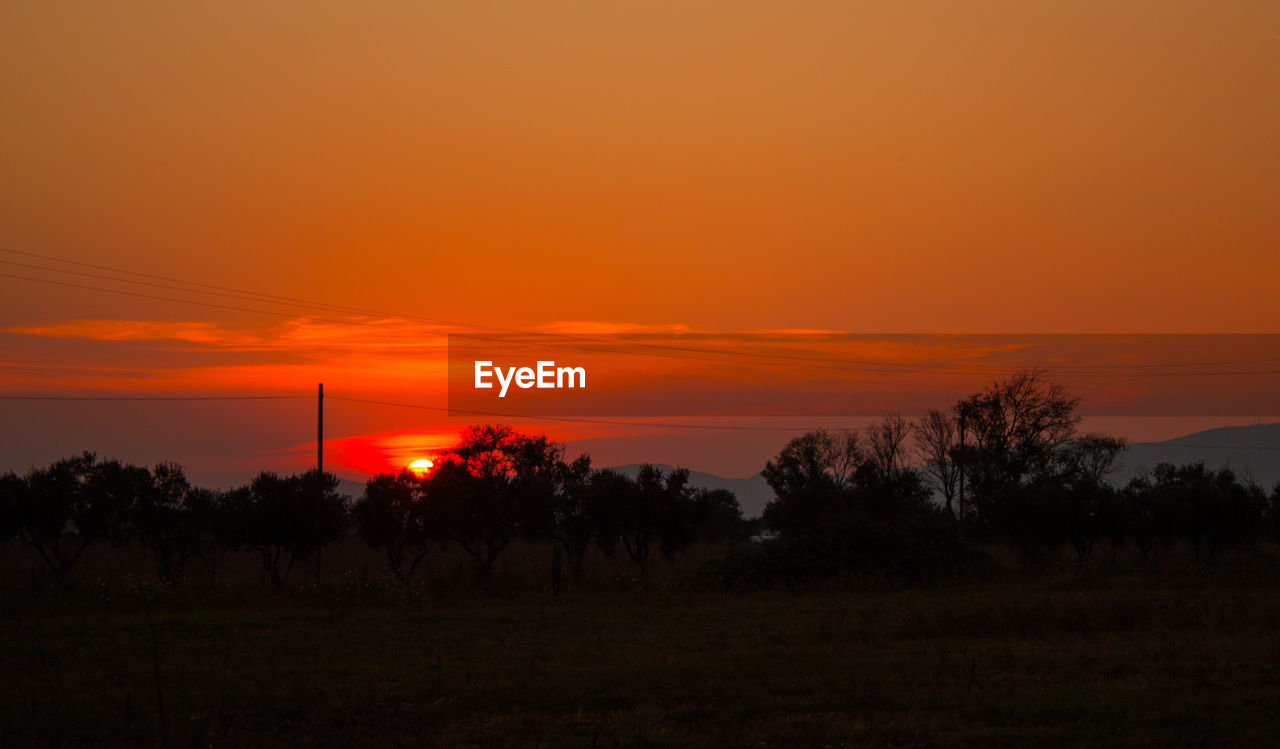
{"type": "Point", "coordinates": [1168, 659]}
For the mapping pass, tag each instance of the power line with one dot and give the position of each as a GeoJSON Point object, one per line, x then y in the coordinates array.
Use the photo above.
{"type": "Point", "coordinates": [872, 367]}
{"type": "Point", "coordinates": [253, 296]}
{"type": "Point", "coordinates": [150, 397]}
{"type": "Point", "coordinates": [264, 296]}
{"type": "Point", "coordinates": [497, 414]}
{"type": "Point", "coordinates": [440, 409]}
{"type": "Point", "coordinates": [769, 359]}
{"type": "Point", "coordinates": [607, 422]}
{"type": "Point", "coordinates": [168, 299]}
{"type": "Point", "coordinates": [677, 425]}
{"type": "Point", "coordinates": [801, 362]}
{"type": "Point", "coordinates": [866, 368]}
{"type": "Point", "coordinates": [243, 297]}
{"type": "Point", "coordinates": [1207, 447]}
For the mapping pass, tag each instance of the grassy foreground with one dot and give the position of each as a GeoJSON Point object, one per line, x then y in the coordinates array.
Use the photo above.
{"type": "Point", "coordinates": [1015, 664]}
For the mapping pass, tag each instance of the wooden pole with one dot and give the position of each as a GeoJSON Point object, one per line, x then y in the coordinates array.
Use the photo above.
{"type": "Point", "coordinates": [960, 456]}
{"type": "Point", "coordinates": [319, 461]}
{"type": "Point", "coordinates": [320, 429]}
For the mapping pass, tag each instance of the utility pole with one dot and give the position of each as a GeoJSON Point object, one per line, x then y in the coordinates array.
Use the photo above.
{"type": "Point", "coordinates": [320, 429]}
{"type": "Point", "coordinates": [319, 462]}
{"type": "Point", "coordinates": [960, 461]}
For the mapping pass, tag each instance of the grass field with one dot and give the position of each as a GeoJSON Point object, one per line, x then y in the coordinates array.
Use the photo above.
{"type": "Point", "coordinates": [1181, 661]}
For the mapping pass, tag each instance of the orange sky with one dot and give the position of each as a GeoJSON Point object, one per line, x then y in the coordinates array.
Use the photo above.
{"type": "Point", "coordinates": [717, 166]}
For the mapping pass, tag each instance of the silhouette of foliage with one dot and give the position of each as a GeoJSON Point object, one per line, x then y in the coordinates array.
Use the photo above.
{"type": "Point", "coordinates": [572, 521]}
{"type": "Point", "coordinates": [64, 508]}
{"type": "Point", "coordinates": [12, 496]}
{"type": "Point", "coordinates": [494, 487]}
{"type": "Point", "coordinates": [843, 510]}
{"type": "Point", "coordinates": [393, 514]}
{"type": "Point", "coordinates": [286, 518]}
{"type": "Point", "coordinates": [660, 509]}
{"type": "Point", "coordinates": [844, 504]}
{"type": "Point", "coordinates": [1012, 432]}
{"type": "Point", "coordinates": [809, 477]}
{"type": "Point", "coordinates": [717, 516]}
{"type": "Point", "coordinates": [171, 518]}
{"type": "Point", "coordinates": [1211, 509]}
{"type": "Point", "coordinates": [937, 436]}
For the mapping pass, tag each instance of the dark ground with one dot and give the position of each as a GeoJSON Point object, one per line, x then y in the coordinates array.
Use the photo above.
{"type": "Point", "coordinates": [1187, 659]}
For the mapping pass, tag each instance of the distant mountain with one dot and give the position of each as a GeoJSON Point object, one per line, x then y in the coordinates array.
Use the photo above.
{"type": "Point", "coordinates": [752, 492]}
{"type": "Point", "coordinates": [350, 487]}
{"type": "Point", "coordinates": [1253, 452]}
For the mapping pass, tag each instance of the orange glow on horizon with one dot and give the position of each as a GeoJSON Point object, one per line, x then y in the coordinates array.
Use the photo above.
{"type": "Point", "coordinates": [372, 453]}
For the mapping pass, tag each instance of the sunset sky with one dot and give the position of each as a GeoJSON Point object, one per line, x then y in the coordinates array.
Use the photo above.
{"type": "Point", "coordinates": [664, 169]}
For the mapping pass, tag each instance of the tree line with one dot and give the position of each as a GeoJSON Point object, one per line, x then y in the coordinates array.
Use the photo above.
{"type": "Point", "coordinates": [496, 487]}
{"type": "Point", "coordinates": [64, 508]}
{"type": "Point", "coordinates": [1007, 466]}
{"type": "Point", "coordinates": [911, 500]}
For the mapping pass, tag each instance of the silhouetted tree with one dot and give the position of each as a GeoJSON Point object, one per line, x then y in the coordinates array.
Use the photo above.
{"type": "Point", "coordinates": [572, 518]}
{"type": "Point", "coordinates": [657, 510]}
{"type": "Point", "coordinates": [1013, 431]}
{"type": "Point", "coordinates": [1090, 458]}
{"type": "Point", "coordinates": [208, 512]}
{"type": "Point", "coordinates": [1036, 484]}
{"type": "Point", "coordinates": [717, 516]}
{"type": "Point", "coordinates": [287, 518]}
{"type": "Point", "coordinates": [887, 441]}
{"type": "Point", "coordinates": [1273, 514]}
{"type": "Point", "coordinates": [937, 438]}
{"type": "Point", "coordinates": [494, 487]}
{"type": "Point", "coordinates": [1211, 509]}
{"type": "Point", "coordinates": [538, 469]}
{"type": "Point", "coordinates": [608, 493]}
{"type": "Point", "coordinates": [809, 476]}
{"type": "Point", "coordinates": [112, 490]}
{"type": "Point", "coordinates": [12, 496]}
{"type": "Point", "coordinates": [821, 475]}
{"type": "Point", "coordinates": [326, 514]}
{"type": "Point", "coordinates": [394, 515]}
{"type": "Point", "coordinates": [1065, 499]}
{"type": "Point", "coordinates": [1091, 504]}
{"type": "Point", "coordinates": [263, 513]}
{"type": "Point", "coordinates": [73, 503]}
{"type": "Point", "coordinates": [840, 510]}
{"type": "Point", "coordinates": [170, 519]}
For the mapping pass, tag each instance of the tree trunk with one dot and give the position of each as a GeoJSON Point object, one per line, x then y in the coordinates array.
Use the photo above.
{"type": "Point", "coordinates": [576, 555]}
{"type": "Point", "coordinates": [555, 568]}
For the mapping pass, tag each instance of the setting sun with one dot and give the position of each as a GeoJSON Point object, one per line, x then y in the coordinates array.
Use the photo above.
{"type": "Point", "coordinates": [420, 466]}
